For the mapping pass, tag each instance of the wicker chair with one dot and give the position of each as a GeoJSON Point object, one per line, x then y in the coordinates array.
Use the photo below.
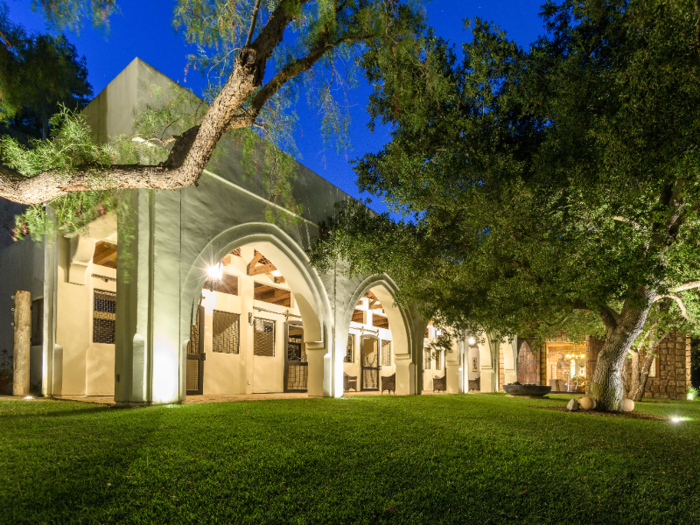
{"type": "Point", "coordinates": [389, 383]}
{"type": "Point", "coordinates": [475, 384]}
{"type": "Point", "coordinates": [440, 383]}
{"type": "Point", "coordinates": [349, 382]}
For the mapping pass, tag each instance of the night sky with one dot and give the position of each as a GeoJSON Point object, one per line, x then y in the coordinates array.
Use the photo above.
{"type": "Point", "coordinates": [143, 29]}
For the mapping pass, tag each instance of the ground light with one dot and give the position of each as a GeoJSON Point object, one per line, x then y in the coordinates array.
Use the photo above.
{"type": "Point", "coordinates": [676, 419]}
{"type": "Point", "coordinates": [28, 398]}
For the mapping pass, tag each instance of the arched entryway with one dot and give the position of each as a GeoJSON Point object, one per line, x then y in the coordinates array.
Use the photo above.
{"type": "Point", "coordinates": [262, 312]}
{"type": "Point", "coordinates": [379, 354]}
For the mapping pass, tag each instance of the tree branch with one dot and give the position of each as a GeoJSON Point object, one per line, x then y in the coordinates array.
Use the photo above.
{"type": "Point", "coordinates": [679, 302]}
{"type": "Point", "coordinates": [609, 316]}
{"type": "Point", "coordinates": [9, 45]}
{"type": "Point", "coordinates": [687, 286]}
{"type": "Point", "coordinates": [252, 23]}
{"type": "Point", "coordinates": [192, 149]}
{"type": "Point", "coordinates": [634, 224]}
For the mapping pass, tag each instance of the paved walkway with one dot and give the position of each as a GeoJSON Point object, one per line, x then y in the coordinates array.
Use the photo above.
{"type": "Point", "coordinates": [199, 400]}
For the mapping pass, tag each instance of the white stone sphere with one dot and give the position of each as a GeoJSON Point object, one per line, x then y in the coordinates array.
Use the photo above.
{"type": "Point", "coordinates": [627, 405]}
{"type": "Point", "coordinates": [587, 403]}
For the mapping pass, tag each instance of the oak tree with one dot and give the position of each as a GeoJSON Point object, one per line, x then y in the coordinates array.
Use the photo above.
{"type": "Point", "coordinates": [535, 184]}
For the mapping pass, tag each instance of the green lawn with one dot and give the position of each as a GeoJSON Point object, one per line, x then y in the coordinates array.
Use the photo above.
{"type": "Point", "coordinates": [426, 459]}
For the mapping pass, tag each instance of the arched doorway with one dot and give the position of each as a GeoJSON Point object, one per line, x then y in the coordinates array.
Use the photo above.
{"type": "Point", "coordinates": [528, 362]}
{"type": "Point", "coordinates": [378, 343]}
{"type": "Point", "coordinates": [260, 313]}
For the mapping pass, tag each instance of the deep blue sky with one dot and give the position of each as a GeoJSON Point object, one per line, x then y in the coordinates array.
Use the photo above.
{"type": "Point", "coordinates": [143, 29]}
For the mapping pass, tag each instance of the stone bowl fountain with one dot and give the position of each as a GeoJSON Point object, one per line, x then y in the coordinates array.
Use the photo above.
{"type": "Point", "coordinates": [531, 390]}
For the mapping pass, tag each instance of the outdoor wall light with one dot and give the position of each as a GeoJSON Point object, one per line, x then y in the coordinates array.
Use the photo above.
{"type": "Point", "coordinates": [216, 272]}
{"type": "Point", "coordinates": [472, 341]}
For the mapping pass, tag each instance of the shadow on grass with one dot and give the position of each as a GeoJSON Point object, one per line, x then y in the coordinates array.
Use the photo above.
{"type": "Point", "coordinates": [56, 413]}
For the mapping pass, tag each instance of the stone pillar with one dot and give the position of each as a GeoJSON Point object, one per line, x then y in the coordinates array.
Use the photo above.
{"type": "Point", "coordinates": [489, 367]}
{"type": "Point", "coordinates": [316, 356]}
{"type": "Point", "coordinates": [405, 375]}
{"type": "Point", "coordinates": [510, 361]}
{"type": "Point", "coordinates": [134, 300]}
{"type": "Point", "coordinates": [454, 385]}
{"type": "Point", "coordinates": [22, 343]}
{"type": "Point", "coordinates": [57, 370]}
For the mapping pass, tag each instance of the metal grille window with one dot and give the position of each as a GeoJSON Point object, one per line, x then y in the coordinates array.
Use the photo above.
{"type": "Point", "coordinates": [104, 317]}
{"type": "Point", "coordinates": [386, 353]}
{"type": "Point", "coordinates": [264, 337]}
{"type": "Point", "coordinates": [349, 357]}
{"type": "Point", "coordinates": [226, 337]}
{"type": "Point", "coordinates": [193, 345]}
{"type": "Point", "coordinates": [426, 359]}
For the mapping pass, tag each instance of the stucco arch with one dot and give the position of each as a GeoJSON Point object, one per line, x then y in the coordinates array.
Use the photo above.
{"type": "Point", "coordinates": [289, 258]}
{"type": "Point", "coordinates": [403, 339]}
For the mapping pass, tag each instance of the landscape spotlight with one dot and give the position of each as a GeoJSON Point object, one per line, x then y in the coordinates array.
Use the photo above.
{"type": "Point", "coordinates": [676, 419]}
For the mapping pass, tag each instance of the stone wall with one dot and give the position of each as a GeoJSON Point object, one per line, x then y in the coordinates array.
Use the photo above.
{"type": "Point", "coordinates": [673, 377]}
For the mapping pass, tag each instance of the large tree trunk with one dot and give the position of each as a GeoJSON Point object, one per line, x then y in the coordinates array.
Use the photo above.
{"type": "Point", "coordinates": [622, 330]}
{"type": "Point", "coordinates": [639, 366]}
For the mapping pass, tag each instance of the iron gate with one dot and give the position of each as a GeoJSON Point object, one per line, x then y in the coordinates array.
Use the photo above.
{"type": "Point", "coordinates": [296, 365]}
{"type": "Point", "coordinates": [196, 356]}
{"type": "Point", "coordinates": [370, 363]}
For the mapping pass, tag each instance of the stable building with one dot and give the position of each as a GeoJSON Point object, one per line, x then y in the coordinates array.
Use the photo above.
{"type": "Point", "coordinates": [202, 294]}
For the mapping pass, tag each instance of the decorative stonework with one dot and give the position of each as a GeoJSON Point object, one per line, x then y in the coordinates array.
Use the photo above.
{"type": "Point", "coordinates": [673, 378]}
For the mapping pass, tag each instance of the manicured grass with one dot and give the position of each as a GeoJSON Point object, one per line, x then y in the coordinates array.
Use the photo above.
{"type": "Point", "coordinates": [428, 459]}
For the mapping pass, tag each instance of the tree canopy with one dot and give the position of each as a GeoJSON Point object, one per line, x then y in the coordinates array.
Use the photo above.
{"type": "Point", "coordinates": [38, 75]}
{"type": "Point", "coordinates": [258, 56]}
{"type": "Point", "coordinates": [538, 186]}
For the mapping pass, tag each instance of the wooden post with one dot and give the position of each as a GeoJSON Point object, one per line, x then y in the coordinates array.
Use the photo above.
{"type": "Point", "coordinates": [23, 332]}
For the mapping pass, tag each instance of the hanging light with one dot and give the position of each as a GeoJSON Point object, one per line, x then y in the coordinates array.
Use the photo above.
{"type": "Point", "coordinates": [472, 341]}
{"type": "Point", "coordinates": [216, 272]}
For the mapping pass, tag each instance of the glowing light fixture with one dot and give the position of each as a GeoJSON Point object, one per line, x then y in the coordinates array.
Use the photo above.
{"type": "Point", "coordinates": [28, 398]}
{"type": "Point", "coordinates": [472, 341]}
{"type": "Point", "coordinates": [676, 419]}
{"type": "Point", "coordinates": [276, 273]}
{"type": "Point", "coordinates": [216, 272]}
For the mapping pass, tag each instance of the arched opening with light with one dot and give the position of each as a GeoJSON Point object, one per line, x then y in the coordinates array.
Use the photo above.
{"type": "Point", "coordinates": [250, 327]}
{"type": "Point", "coordinates": [376, 335]}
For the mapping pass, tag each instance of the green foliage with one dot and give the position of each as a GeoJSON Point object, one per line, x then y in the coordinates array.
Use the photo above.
{"type": "Point", "coordinates": [73, 13]}
{"type": "Point", "coordinates": [38, 74]}
{"type": "Point", "coordinates": [71, 148]}
{"type": "Point", "coordinates": [531, 184]}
